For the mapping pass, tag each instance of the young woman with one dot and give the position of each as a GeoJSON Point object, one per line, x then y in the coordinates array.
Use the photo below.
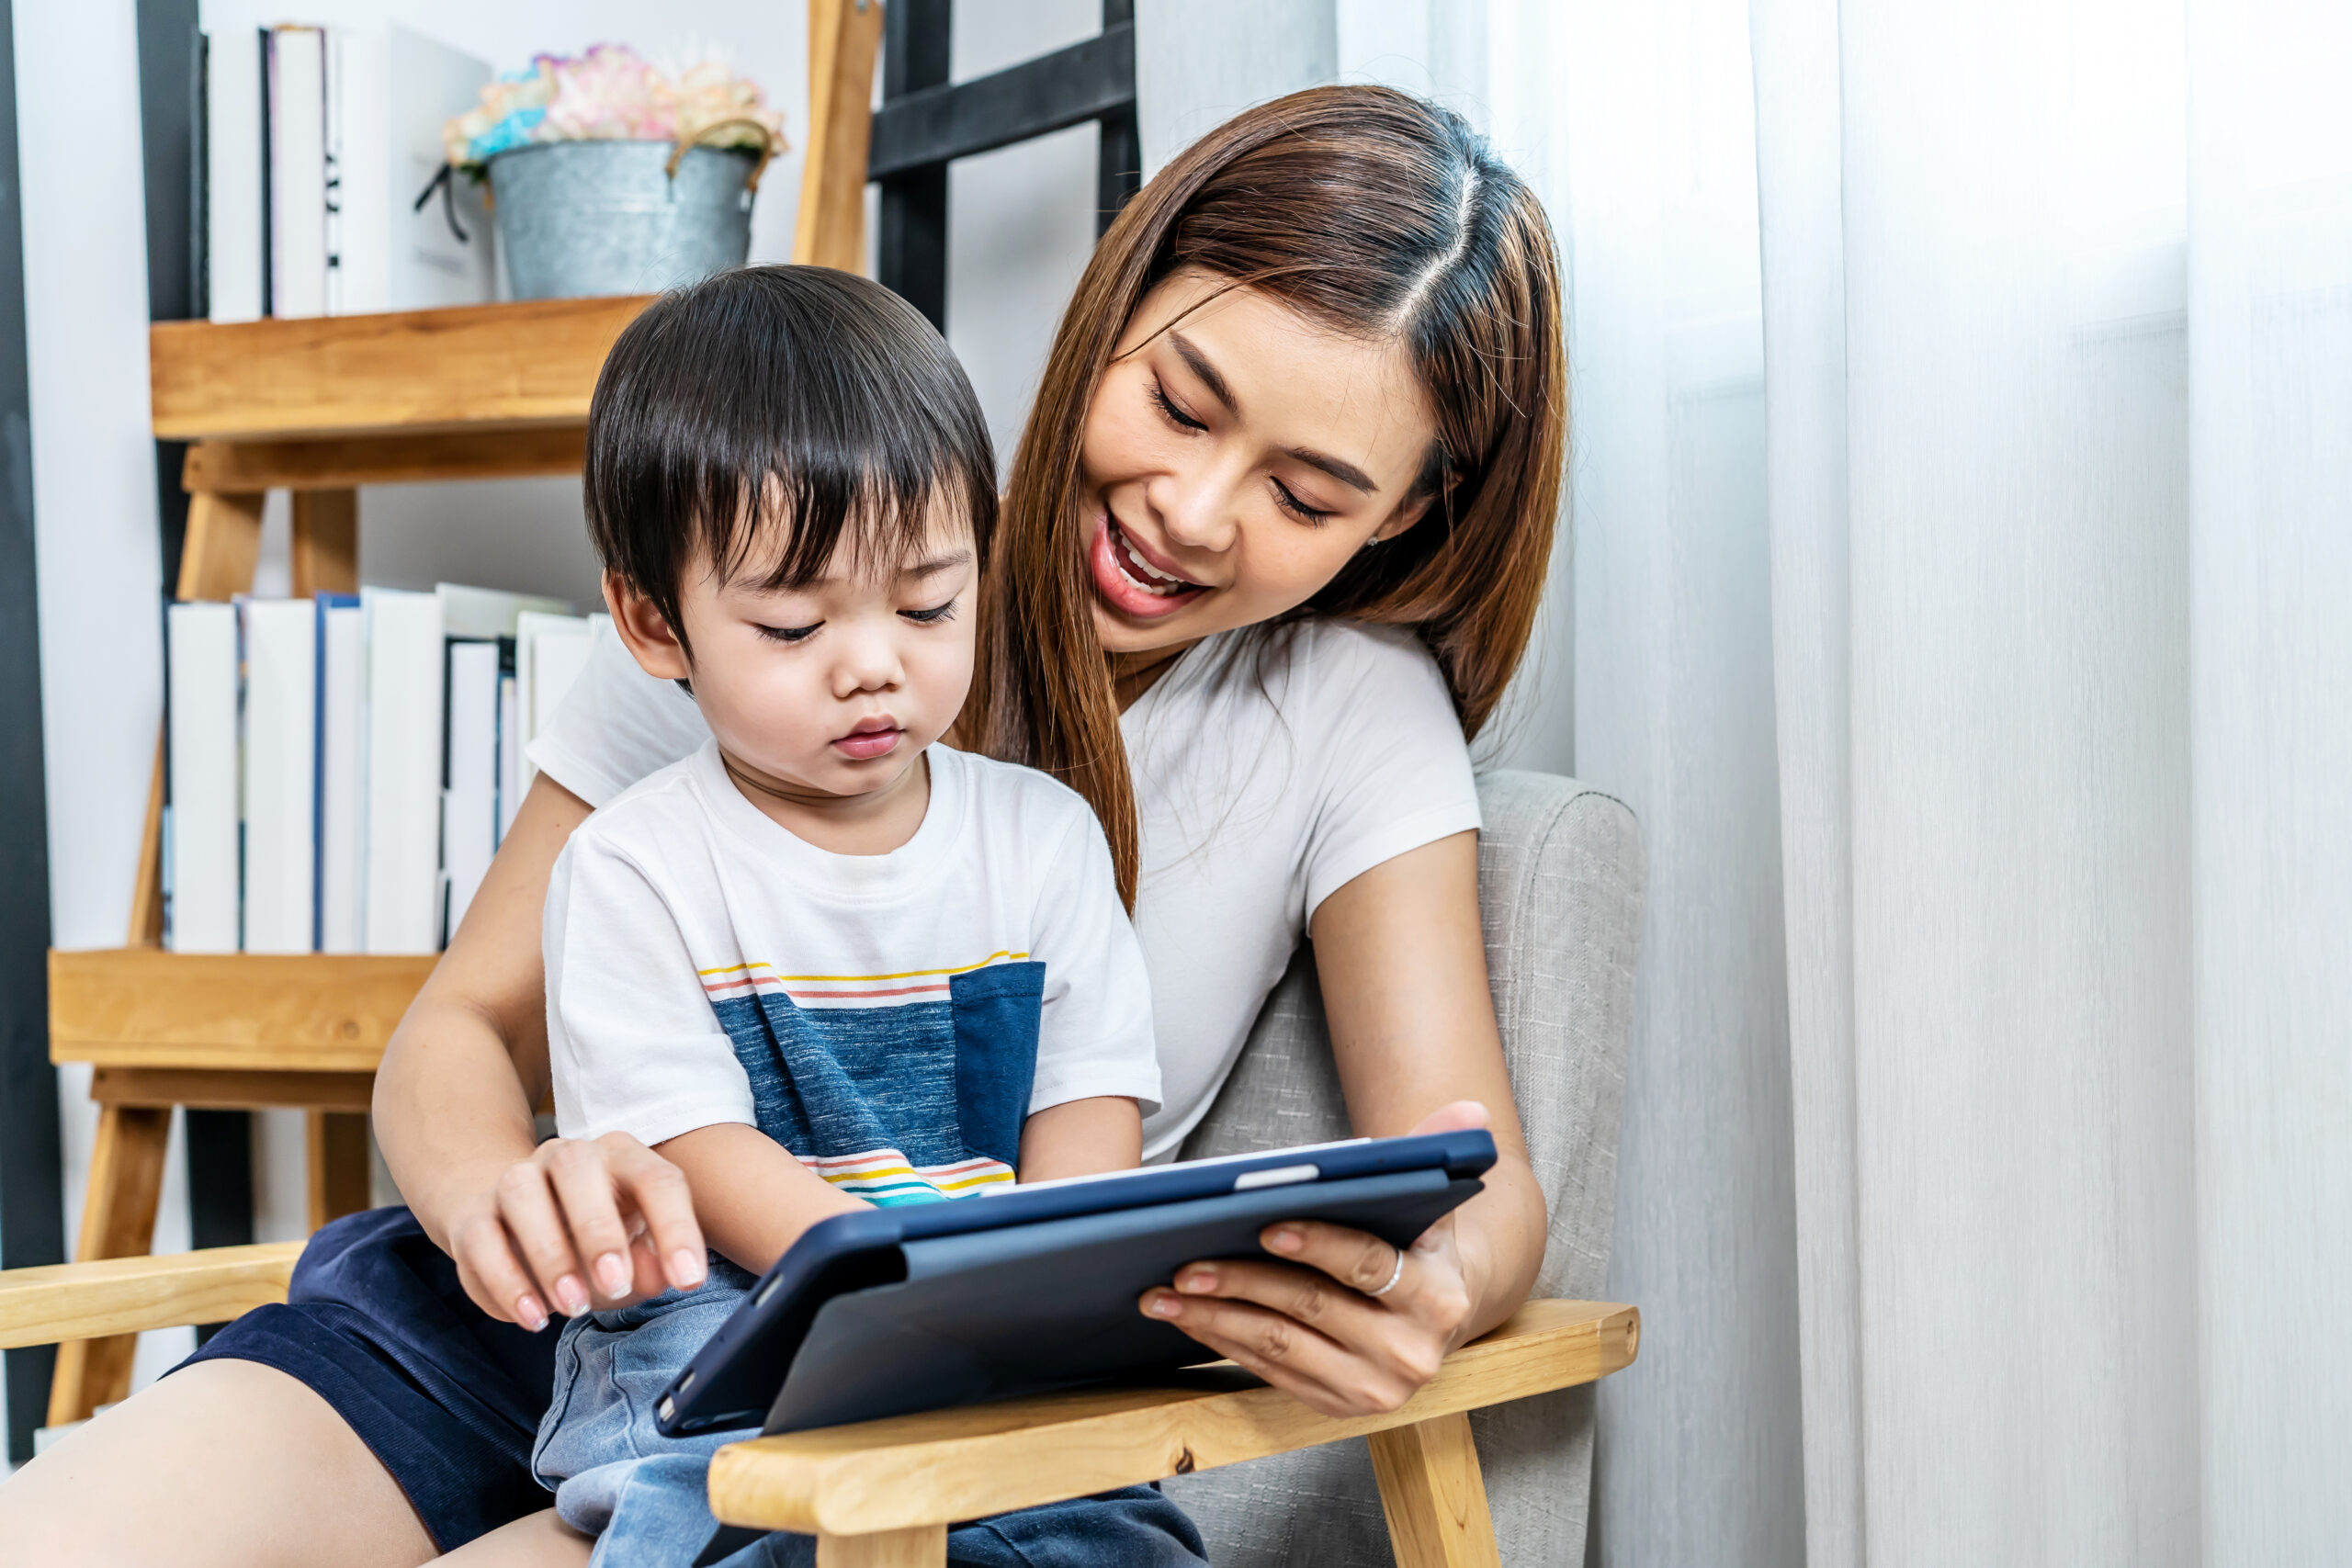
{"type": "Point", "coordinates": [1295, 459]}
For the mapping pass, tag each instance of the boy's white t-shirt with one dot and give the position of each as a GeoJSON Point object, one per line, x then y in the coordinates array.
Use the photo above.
{"type": "Point", "coordinates": [1269, 770]}
{"type": "Point", "coordinates": [890, 1019]}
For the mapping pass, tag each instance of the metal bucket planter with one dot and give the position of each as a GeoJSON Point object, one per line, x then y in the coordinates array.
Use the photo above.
{"type": "Point", "coordinates": [581, 218]}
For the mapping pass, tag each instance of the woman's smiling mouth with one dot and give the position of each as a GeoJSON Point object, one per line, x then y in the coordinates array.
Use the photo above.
{"type": "Point", "coordinates": [1128, 580]}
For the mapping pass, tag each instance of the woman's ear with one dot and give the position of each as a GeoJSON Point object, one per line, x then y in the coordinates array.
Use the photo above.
{"type": "Point", "coordinates": [1404, 517]}
{"type": "Point", "coordinates": [645, 631]}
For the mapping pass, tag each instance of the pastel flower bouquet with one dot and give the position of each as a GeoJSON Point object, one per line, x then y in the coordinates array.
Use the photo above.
{"type": "Point", "coordinates": [613, 94]}
{"type": "Point", "coordinates": [609, 173]}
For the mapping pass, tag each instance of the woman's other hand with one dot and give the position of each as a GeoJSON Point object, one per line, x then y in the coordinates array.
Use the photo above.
{"type": "Point", "coordinates": [583, 1222]}
{"type": "Point", "coordinates": [1349, 1325]}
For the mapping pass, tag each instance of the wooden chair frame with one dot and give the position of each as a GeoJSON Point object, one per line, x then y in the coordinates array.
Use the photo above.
{"type": "Point", "coordinates": [882, 1494]}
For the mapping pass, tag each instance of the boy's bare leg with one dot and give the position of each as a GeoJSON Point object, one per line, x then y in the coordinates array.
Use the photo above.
{"type": "Point", "coordinates": [536, 1540]}
{"type": "Point", "coordinates": [227, 1464]}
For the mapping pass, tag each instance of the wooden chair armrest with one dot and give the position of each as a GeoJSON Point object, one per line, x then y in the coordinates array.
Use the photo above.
{"type": "Point", "coordinates": [916, 1471]}
{"type": "Point", "coordinates": [124, 1295]}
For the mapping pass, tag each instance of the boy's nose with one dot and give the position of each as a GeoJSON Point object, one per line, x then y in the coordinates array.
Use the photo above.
{"type": "Point", "coordinates": [869, 663]}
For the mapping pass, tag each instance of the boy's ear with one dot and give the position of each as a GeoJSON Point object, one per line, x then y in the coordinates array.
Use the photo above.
{"type": "Point", "coordinates": [645, 631]}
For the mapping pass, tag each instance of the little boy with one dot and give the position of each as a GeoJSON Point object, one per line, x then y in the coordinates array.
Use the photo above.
{"type": "Point", "coordinates": [824, 961]}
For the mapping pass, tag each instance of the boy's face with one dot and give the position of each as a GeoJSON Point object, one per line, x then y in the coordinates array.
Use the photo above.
{"type": "Point", "coordinates": [830, 689]}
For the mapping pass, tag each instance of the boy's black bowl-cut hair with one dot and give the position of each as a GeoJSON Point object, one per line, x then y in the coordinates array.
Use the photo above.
{"type": "Point", "coordinates": [758, 419]}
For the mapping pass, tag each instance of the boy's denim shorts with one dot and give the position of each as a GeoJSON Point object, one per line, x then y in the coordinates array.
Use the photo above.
{"type": "Point", "coordinates": [614, 1477]}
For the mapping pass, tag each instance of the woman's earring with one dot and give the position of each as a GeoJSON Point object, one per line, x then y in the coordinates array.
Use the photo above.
{"type": "Point", "coordinates": [1372, 541]}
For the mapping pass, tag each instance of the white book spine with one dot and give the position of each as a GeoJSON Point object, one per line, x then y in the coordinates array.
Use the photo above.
{"type": "Point", "coordinates": [469, 801]}
{"type": "Point", "coordinates": [402, 741]}
{"type": "Point", "coordinates": [549, 653]}
{"type": "Point", "coordinates": [510, 754]}
{"type": "Point", "coordinates": [234, 154]}
{"type": "Point", "coordinates": [340, 704]}
{"type": "Point", "coordinates": [363, 171]}
{"type": "Point", "coordinates": [281, 713]}
{"type": "Point", "coordinates": [201, 756]}
{"type": "Point", "coordinates": [298, 171]}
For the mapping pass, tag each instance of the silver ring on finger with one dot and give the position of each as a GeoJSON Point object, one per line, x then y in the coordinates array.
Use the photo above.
{"type": "Point", "coordinates": [1394, 1274]}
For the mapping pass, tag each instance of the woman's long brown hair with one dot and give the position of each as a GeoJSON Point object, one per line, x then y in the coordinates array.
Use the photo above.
{"type": "Point", "coordinates": [1379, 215]}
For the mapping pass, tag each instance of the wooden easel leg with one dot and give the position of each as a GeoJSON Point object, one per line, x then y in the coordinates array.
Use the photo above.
{"type": "Point", "coordinates": [325, 542]}
{"type": "Point", "coordinates": [1433, 1495]}
{"type": "Point", "coordinates": [923, 1547]}
{"type": "Point", "coordinates": [118, 1221]}
{"type": "Point", "coordinates": [147, 893]}
{"type": "Point", "coordinates": [338, 1148]}
{"type": "Point", "coordinates": [223, 541]}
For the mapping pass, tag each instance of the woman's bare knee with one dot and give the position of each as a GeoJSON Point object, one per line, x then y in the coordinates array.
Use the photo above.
{"type": "Point", "coordinates": [228, 1463]}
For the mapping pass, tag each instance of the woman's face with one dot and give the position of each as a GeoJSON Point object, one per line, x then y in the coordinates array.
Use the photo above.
{"type": "Point", "coordinates": [1236, 455]}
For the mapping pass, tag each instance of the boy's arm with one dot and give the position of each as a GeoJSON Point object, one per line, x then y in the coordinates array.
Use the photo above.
{"type": "Point", "coordinates": [1095, 1061]}
{"type": "Point", "coordinates": [1081, 1137]}
{"type": "Point", "coordinates": [751, 1197]}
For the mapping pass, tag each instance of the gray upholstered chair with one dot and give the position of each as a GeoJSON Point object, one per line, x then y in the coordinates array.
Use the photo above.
{"type": "Point", "coordinates": [1560, 885]}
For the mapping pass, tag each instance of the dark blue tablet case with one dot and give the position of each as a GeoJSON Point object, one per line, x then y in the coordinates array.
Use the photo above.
{"type": "Point", "coordinates": [892, 1311]}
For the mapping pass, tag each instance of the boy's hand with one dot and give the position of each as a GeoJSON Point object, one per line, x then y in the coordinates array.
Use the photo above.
{"type": "Point", "coordinates": [581, 1222]}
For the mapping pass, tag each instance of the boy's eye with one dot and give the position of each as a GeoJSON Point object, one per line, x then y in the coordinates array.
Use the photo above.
{"type": "Point", "coordinates": [936, 613]}
{"type": "Point", "coordinates": [790, 634]}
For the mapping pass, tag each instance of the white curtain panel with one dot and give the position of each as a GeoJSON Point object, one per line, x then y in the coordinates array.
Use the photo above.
{"type": "Point", "coordinates": [1962, 593]}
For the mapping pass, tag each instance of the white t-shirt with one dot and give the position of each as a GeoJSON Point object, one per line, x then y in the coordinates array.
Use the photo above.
{"type": "Point", "coordinates": [1269, 770]}
{"type": "Point", "coordinates": [891, 1019]}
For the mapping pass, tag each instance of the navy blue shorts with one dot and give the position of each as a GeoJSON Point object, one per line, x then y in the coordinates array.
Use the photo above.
{"type": "Point", "coordinates": [450, 1399]}
{"type": "Point", "coordinates": [447, 1397]}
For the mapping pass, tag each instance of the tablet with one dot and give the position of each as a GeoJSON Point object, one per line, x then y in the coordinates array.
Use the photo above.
{"type": "Point", "coordinates": [889, 1311]}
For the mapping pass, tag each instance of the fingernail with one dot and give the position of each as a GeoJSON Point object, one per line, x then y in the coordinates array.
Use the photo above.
{"type": "Point", "coordinates": [569, 1296]}
{"type": "Point", "coordinates": [529, 1313]}
{"type": "Point", "coordinates": [1198, 1281]}
{"type": "Point", "coordinates": [1166, 1307]}
{"type": "Point", "coordinates": [612, 1274]}
{"type": "Point", "coordinates": [686, 1269]}
{"type": "Point", "coordinates": [1287, 1241]}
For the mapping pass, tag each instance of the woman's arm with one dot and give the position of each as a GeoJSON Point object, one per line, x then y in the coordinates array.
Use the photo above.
{"type": "Point", "coordinates": [529, 1224]}
{"type": "Point", "coordinates": [1403, 966]}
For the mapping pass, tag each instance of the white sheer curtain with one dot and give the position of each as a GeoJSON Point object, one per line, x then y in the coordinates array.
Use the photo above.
{"type": "Point", "coordinates": [1962, 593]}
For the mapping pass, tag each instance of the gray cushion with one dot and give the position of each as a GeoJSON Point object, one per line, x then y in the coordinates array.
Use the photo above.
{"type": "Point", "coordinates": [1560, 886]}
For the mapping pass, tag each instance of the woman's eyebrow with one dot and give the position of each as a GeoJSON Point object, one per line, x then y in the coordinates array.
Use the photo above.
{"type": "Point", "coordinates": [1345, 472]}
{"type": "Point", "coordinates": [1206, 371]}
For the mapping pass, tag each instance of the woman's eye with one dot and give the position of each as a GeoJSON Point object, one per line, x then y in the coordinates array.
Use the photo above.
{"type": "Point", "coordinates": [936, 613]}
{"type": "Point", "coordinates": [790, 634]}
{"type": "Point", "coordinates": [1288, 500]}
{"type": "Point", "coordinates": [1176, 417]}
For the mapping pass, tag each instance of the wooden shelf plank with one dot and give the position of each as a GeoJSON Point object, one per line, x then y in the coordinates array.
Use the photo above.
{"type": "Point", "coordinates": [141, 1007]}
{"type": "Point", "coordinates": [985, 1459]}
{"type": "Point", "coordinates": [125, 1296]}
{"type": "Point", "coordinates": [410, 372]}
{"type": "Point", "coordinates": [338, 464]}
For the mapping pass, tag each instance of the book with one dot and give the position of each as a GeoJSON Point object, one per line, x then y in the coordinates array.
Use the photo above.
{"type": "Point", "coordinates": [342, 667]}
{"type": "Point", "coordinates": [280, 773]}
{"type": "Point", "coordinates": [400, 763]}
{"type": "Point", "coordinates": [490, 611]}
{"type": "Point", "coordinates": [549, 653]}
{"type": "Point", "coordinates": [200, 761]}
{"type": "Point", "coordinates": [235, 152]}
{"type": "Point", "coordinates": [298, 187]}
{"type": "Point", "coordinates": [393, 89]}
{"type": "Point", "coordinates": [469, 782]}
{"type": "Point", "coordinates": [510, 750]}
